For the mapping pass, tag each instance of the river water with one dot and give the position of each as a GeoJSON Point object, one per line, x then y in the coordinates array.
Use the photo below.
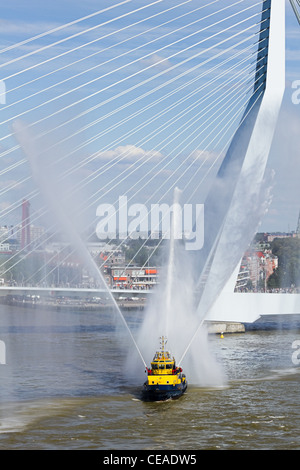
{"type": "Point", "coordinates": [62, 388]}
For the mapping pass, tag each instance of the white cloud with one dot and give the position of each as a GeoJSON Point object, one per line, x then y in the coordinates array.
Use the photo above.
{"type": "Point", "coordinates": [130, 154]}
{"type": "Point", "coordinates": [202, 156]}
{"type": "Point", "coordinates": [157, 61]}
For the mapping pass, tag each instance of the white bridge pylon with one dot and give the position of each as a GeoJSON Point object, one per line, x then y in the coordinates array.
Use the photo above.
{"type": "Point", "coordinates": [240, 183]}
{"type": "Point", "coordinates": [243, 307]}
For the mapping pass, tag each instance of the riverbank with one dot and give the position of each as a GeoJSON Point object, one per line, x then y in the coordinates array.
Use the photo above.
{"type": "Point", "coordinates": [267, 322]}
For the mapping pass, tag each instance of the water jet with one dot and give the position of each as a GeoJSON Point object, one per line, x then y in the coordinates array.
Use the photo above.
{"type": "Point", "coordinates": [46, 184]}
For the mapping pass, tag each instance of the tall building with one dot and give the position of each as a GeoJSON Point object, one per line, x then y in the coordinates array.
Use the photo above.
{"type": "Point", "coordinates": [298, 227]}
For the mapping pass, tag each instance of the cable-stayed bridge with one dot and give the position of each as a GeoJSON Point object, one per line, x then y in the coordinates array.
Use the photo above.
{"type": "Point", "coordinates": [137, 100]}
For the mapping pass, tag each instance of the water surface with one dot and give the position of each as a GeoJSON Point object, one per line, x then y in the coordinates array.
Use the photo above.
{"type": "Point", "coordinates": [63, 388]}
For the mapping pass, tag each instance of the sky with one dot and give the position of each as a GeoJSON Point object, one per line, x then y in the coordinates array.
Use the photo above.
{"type": "Point", "coordinates": [136, 99]}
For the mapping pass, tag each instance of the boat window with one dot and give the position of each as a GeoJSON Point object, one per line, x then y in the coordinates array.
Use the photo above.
{"type": "Point", "coordinates": [162, 365]}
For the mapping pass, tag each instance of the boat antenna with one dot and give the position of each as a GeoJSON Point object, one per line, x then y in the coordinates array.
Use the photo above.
{"type": "Point", "coordinates": [163, 342]}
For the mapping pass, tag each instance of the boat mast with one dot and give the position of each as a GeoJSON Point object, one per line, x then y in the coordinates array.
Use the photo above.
{"type": "Point", "coordinates": [163, 342]}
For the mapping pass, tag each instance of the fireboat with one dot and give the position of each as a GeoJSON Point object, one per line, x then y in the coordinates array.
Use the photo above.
{"type": "Point", "coordinates": [164, 379]}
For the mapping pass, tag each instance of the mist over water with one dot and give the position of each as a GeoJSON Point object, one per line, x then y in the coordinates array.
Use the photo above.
{"type": "Point", "coordinates": [175, 317]}
{"type": "Point", "coordinates": [172, 312]}
{"type": "Point", "coordinates": [171, 309]}
{"type": "Point", "coordinates": [55, 198]}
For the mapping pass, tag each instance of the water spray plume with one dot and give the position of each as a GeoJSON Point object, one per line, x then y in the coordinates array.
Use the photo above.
{"type": "Point", "coordinates": [171, 313]}
{"type": "Point", "coordinates": [175, 229]}
{"type": "Point", "coordinates": [44, 179]}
